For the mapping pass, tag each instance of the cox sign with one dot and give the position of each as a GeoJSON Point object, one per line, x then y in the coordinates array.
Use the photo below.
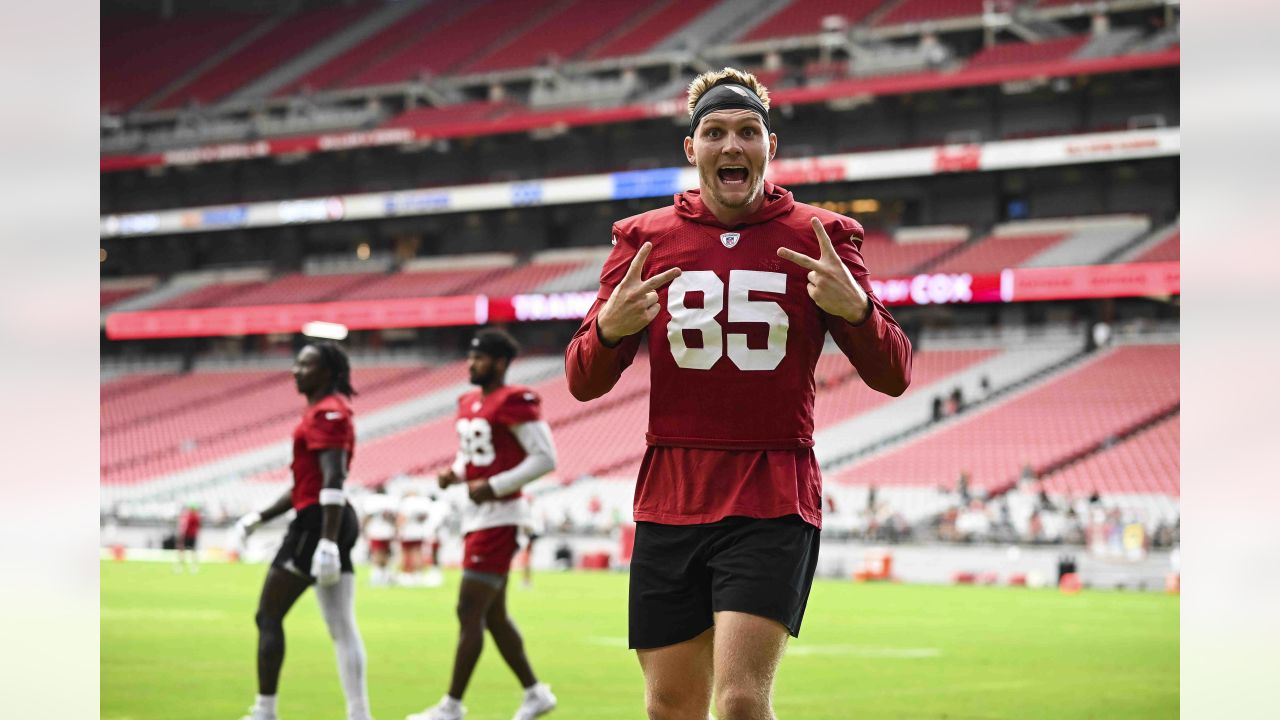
{"type": "Point", "coordinates": [925, 289]}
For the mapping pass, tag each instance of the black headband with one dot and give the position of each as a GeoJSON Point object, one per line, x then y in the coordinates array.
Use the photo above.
{"type": "Point", "coordinates": [728, 97]}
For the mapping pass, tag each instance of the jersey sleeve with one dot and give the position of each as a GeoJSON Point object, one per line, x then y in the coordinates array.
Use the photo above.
{"type": "Point", "coordinates": [615, 266]}
{"type": "Point", "coordinates": [329, 426]}
{"type": "Point", "coordinates": [521, 406]}
{"type": "Point", "coordinates": [877, 346]}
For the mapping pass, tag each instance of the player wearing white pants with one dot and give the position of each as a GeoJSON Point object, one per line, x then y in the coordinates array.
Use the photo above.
{"type": "Point", "coordinates": [420, 520]}
{"type": "Point", "coordinates": [380, 529]}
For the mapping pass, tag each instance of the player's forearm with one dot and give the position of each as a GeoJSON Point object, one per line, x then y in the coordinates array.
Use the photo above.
{"type": "Point", "coordinates": [333, 468]}
{"type": "Point", "coordinates": [332, 520]}
{"type": "Point", "coordinates": [277, 508]}
{"type": "Point", "coordinates": [878, 348]}
{"type": "Point", "coordinates": [539, 459]}
{"type": "Point", "coordinates": [529, 469]}
{"type": "Point", "coordinates": [592, 367]}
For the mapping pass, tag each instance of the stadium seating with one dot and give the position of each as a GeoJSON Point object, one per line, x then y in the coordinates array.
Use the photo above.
{"type": "Point", "coordinates": [1144, 463]}
{"type": "Point", "coordinates": [141, 55]}
{"type": "Point", "coordinates": [1073, 410]}
{"type": "Point", "coordinates": [1021, 52]}
{"type": "Point", "coordinates": [205, 416]}
{"type": "Point", "coordinates": [527, 278]}
{"type": "Point", "coordinates": [918, 11]}
{"type": "Point", "coordinates": [994, 253]}
{"type": "Point", "coordinates": [804, 17]}
{"type": "Point", "coordinates": [459, 280]}
{"type": "Point", "coordinates": [394, 38]}
{"type": "Point", "coordinates": [560, 35]}
{"type": "Point", "coordinates": [887, 258]}
{"type": "Point", "coordinates": [455, 40]}
{"type": "Point", "coordinates": [282, 42]}
{"type": "Point", "coordinates": [468, 112]}
{"type": "Point", "coordinates": [1166, 250]}
{"type": "Point", "coordinates": [843, 400]}
{"type": "Point", "coordinates": [664, 19]}
{"type": "Point", "coordinates": [299, 288]}
{"type": "Point", "coordinates": [108, 297]}
{"type": "Point", "coordinates": [1044, 243]}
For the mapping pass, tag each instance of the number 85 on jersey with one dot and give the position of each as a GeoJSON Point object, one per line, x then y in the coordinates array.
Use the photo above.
{"type": "Point", "coordinates": [715, 341]}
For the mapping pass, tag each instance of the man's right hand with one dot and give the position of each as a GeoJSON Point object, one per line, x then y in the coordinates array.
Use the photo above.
{"type": "Point", "coordinates": [447, 477]}
{"type": "Point", "coordinates": [245, 526]}
{"type": "Point", "coordinates": [634, 302]}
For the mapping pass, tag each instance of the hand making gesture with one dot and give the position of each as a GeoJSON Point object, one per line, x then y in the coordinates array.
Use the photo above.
{"type": "Point", "coordinates": [634, 302]}
{"type": "Point", "coordinates": [831, 285]}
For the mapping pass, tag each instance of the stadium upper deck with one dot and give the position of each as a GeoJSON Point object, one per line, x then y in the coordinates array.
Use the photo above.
{"type": "Point", "coordinates": [363, 67]}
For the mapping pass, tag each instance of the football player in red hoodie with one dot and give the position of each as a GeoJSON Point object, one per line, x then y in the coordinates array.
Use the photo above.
{"type": "Point", "coordinates": [734, 289]}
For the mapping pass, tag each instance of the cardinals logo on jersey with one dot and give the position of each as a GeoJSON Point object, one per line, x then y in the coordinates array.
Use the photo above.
{"type": "Point", "coordinates": [729, 239]}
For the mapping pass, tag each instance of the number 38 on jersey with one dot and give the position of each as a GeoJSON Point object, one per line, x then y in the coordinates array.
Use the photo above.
{"type": "Point", "coordinates": [716, 343]}
{"type": "Point", "coordinates": [475, 441]}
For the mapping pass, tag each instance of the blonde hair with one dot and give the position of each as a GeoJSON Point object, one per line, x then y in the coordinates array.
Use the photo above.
{"type": "Point", "coordinates": [727, 76]}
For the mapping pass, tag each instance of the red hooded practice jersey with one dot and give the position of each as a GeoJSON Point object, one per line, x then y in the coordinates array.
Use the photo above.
{"type": "Point", "coordinates": [732, 353]}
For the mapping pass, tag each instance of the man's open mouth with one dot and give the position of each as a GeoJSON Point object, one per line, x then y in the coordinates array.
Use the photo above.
{"type": "Point", "coordinates": [732, 174]}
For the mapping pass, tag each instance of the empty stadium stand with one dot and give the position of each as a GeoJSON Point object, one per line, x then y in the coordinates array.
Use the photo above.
{"type": "Point", "coordinates": [1044, 243]}
{"type": "Point", "coordinates": [664, 19]}
{"type": "Point", "coordinates": [456, 39]}
{"type": "Point", "coordinates": [394, 38]}
{"type": "Point", "coordinates": [909, 249]}
{"type": "Point", "coordinates": [919, 11]}
{"type": "Point", "coordinates": [561, 35]}
{"type": "Point", "coordinates": [805, 17]}
{"type": "Point", "coordinates": [1023, 52]}
{"type": "Point", "coordinates": [141, 55]}
{"type": "Point", "coordinates": [290, 36]}
{"type": "Point", "coordinates": [1105, 394]}
{"type": "Point", "coordinates": [1143, 463]}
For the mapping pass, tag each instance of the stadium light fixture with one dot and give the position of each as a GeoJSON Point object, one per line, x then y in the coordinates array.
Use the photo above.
{"type": "Point", "coordinates": [325, 330]}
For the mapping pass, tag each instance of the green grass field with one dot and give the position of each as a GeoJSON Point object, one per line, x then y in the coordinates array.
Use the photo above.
{"type": "Point", "coordinates": [183, 646]}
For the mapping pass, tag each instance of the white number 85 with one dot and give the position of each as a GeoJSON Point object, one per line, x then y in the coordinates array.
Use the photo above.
{"type": "Point", "coordinates": [741, 309]}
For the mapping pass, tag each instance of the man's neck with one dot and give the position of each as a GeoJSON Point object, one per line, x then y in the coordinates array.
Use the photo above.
{"type": "Point", "coordinates": [728, 216]}
{"type": "Point", "coordinates": [490, 387]}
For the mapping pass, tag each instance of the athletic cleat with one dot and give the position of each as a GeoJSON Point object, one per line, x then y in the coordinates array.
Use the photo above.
{"type": "Point", "coordinates": [446, 709]}
{"type": "Point", "coordinates": [257, 714]}
{"type": "Point", "coordinates": [538, 701]}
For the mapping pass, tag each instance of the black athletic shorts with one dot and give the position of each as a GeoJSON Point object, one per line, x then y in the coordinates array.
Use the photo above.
{"type": "Point", "coordinates": [304, 534]}
{"type": "Point", "coordinates": [682, 574]}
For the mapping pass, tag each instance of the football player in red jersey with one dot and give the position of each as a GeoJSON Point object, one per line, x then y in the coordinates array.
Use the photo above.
{"type": "Point", "coordinates": [734, 289]}
{"type": "Point", "coordinates": [317, 545]}
{"type": "Point", "coordinates": [503, 445]}
{"type": "Point", "coordinates": [187, 536]}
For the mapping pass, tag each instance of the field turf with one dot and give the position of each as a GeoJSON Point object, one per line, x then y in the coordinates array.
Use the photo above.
{"type": "Point", "coordinates": [183, 646]}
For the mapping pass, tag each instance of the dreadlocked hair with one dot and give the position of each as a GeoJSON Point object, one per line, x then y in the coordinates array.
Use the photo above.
{"type": "Point", "coordinates": [335, 358]}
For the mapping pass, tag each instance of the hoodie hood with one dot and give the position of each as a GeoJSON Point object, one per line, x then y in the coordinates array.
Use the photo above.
{"type": "Point", "coordinates": [777, 201]}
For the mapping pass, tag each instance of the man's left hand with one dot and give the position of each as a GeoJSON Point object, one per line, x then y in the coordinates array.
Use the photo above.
{"type": "Point", "coordinates": [326, 564]}
{"type": "Point", "coordinates": [480, 491]}
{"type": "Point", "coordinates": [831, 285]}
